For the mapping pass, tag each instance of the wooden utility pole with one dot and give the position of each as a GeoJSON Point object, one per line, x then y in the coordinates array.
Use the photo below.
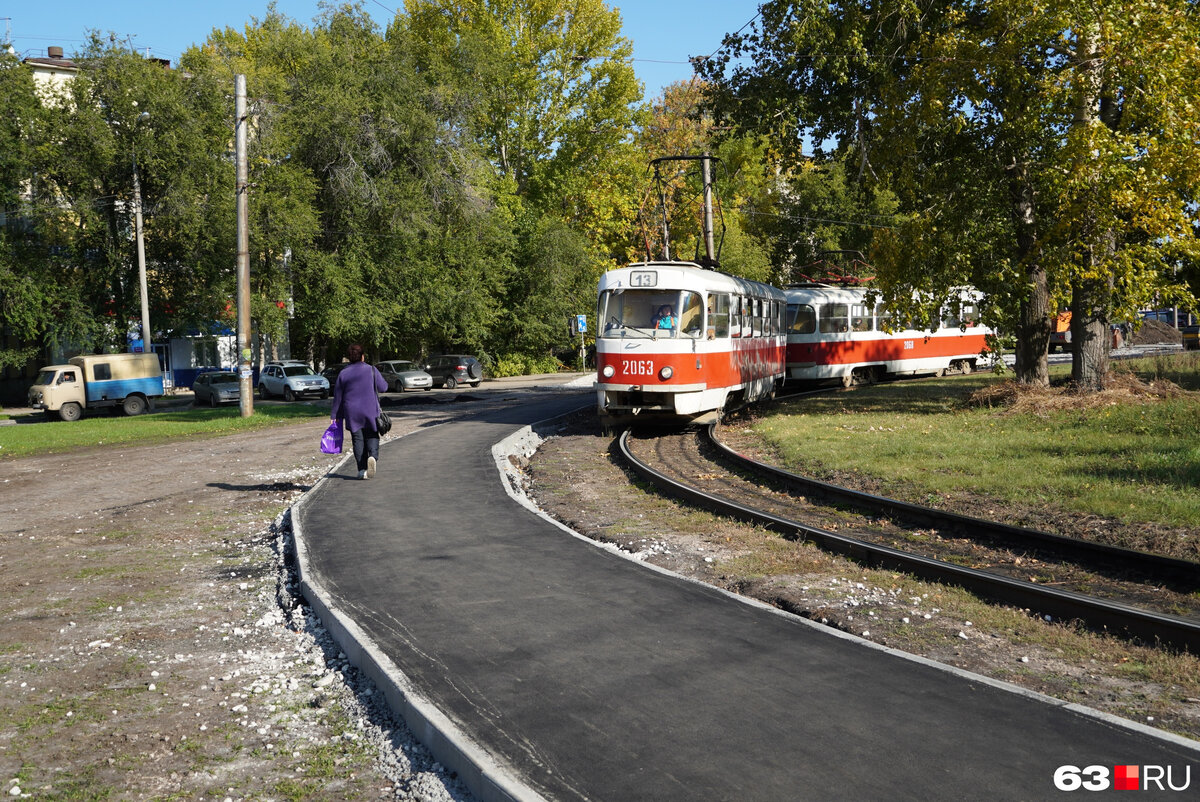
{"type": "Point", "coordinates": [245, 368]}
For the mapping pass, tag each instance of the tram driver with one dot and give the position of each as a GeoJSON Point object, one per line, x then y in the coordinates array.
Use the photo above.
{"type": "Point", "coordinates": [665, 319]}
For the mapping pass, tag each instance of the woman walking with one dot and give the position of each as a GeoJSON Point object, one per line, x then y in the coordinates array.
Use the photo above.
{"type": "Point", "coordinates": [355, 404]}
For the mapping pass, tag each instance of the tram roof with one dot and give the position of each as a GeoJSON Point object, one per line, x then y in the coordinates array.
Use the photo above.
{"type": "Point", "coordinates": [686, 275]}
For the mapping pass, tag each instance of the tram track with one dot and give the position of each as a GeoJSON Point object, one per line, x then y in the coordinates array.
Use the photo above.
{"type": "Point", "coordinates": [1147, 597]}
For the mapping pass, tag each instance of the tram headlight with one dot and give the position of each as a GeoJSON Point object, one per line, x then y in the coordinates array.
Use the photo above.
{"type": "Point", "coordinates": [666, 373]}
{"type": "Point", "coordinates": [608, 371]}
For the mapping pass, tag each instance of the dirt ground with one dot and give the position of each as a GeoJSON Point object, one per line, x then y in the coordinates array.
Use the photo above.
{"type": "Point", "coordinates": [151, 646]}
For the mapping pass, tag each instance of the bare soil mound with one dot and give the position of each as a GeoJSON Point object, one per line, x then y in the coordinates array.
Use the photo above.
{"type": "Point", "coordinates": [1024, 399]}
{"type": "Point", "coordinates": [1155, 332]}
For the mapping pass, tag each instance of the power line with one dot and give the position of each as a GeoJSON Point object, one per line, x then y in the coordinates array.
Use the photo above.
{"type": "Point", "coordinates": [391, 11]}
{"type": "Point", "coordinates": [735, 33]}
{"type": "Point", "coordinates": [803, 219]}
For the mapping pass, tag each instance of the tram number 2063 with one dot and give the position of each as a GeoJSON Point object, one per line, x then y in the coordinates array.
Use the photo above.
{"type": "Point", "coordinates": [637, 367]}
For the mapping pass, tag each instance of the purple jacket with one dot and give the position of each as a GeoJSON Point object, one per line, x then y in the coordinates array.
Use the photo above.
{"type": "Point", "coordinates": [355, 401]}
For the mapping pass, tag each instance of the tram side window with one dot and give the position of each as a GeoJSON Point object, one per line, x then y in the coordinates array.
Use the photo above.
{"type": "Point", "coordinates": [834, 318]}
{"type": "Point", "coordinates": [756, 317]}
{"type": "Point", "coordinates": [691, 314]}
{"type": "Point", "coordinates": [747, 316]}
{"type": "Point", "coordinates": [970, 314]}
{"type": "Point", "coordinates": [803, 319]}
{"type": "Point", "coordinates": [883, 317]}
{"type": "Point", "coordinates": [860, 318]}
{"type": "Point", "coordinates": [718, 315]}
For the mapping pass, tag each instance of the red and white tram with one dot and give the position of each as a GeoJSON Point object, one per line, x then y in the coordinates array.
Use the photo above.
{"type": "Point", "coordinates": [833, 333]}
{"type": "Point", "coordinates": [679, 342]}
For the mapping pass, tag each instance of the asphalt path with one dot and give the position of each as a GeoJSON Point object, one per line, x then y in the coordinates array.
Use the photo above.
{"type": "Point", "coordinates": [541, 665]}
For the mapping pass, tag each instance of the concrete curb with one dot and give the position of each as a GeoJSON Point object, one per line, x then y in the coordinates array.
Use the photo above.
{"type": "Point", "coordinates": [527, 441]}
{"type": "Point", "coordinates": [486, 776]}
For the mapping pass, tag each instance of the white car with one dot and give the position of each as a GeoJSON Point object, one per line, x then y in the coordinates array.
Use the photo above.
{"type": "Point", "coordinates": [292, 380]}
{"type": "Point", "coordinates": [401, 375]}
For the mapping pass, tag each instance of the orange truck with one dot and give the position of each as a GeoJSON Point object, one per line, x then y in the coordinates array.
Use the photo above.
{"type": "Point", "coordinates": [1060, 338]}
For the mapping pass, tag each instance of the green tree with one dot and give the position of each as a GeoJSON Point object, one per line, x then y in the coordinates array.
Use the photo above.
{"type": "Point", "coordinates": [372, 211]}
{"type": "Point", "coordinates": [549, 93]}
{"type": "Point", "coordinates": [549, 89]}
{"type": "Point", "coordinates": [817, 217]}
{"type": "Point", "coordinates": [988, 121]}
{"type": "Point", "coordinates": [1125, 193]}
{"type": "Point", "coordinates": [27, 289]}
{"type": "Point", "coordinates": [119, 111]}
{"type": "Point", "coordinates": [553, 86]}
{"type": "Point", "coordinates": [678, 125]}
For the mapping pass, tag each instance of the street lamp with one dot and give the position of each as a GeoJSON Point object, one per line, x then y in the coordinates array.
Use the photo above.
{"type": "Point", "coordinates": [141, 248]}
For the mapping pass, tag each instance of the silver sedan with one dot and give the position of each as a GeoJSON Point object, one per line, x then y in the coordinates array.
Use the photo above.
{"type": "Point", "coordinates": [401, 375]}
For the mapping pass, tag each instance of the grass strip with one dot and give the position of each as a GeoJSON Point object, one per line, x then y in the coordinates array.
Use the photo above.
{"type": "Point", "coordinates": [1135, 459]}
{"type": "Point", "coordinates": [24, 439]}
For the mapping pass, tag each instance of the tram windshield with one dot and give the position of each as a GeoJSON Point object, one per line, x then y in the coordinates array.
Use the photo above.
{"type": "Point", "coordinates": [653, 314]}
{"type": "Point", "coordinates": [802, 319]}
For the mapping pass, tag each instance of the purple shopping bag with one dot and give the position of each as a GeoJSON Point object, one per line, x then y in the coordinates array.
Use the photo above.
{"type": "Point", "coordinates": [331, 441]}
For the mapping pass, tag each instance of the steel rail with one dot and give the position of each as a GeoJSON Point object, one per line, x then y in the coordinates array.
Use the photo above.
{"type": "Point", "coordinates": [1096, 614]}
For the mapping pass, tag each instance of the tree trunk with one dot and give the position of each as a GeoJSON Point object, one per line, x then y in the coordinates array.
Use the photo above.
{"type": "Point", "coordinates": [1033, 324]}
{"type": "Point", "coordinates": [1091, 297]}
{"type": "Point", "coordinates": [1091, 337]}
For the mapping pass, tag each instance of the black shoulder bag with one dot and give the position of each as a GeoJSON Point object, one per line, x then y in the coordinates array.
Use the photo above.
{"type": "Point", "coordinates": [383, 422]}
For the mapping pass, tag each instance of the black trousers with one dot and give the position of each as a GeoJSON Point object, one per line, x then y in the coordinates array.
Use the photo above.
{"type": "Point", "coordinates": [366, 444]}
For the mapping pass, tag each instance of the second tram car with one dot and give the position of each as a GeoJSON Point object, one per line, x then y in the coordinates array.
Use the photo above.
{"type": "Point", "coordinates": [834, 334]}
{"type": "Point", "coordinates": [679, 342]}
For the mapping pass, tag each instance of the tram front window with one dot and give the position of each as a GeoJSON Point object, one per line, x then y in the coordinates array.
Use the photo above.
{"type": "Point", "coordinates": [803, 319]}
{"type": "Point", "coordinates": [650, 313]}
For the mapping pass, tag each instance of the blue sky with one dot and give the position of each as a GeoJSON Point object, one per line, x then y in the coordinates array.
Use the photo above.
{"type": "Point", "coordinates": [664, 32]}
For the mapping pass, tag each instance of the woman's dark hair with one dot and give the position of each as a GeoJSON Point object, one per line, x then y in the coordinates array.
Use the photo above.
{"type": "Point", "coordinates": [354, 353]}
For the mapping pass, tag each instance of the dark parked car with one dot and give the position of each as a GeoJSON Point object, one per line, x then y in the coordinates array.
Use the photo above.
{"type": "Point", "coordinates": [331, 373]}
{"type": "Point", "coordinates": [451, 370]}
{"type": "Point", "coordinates": [216, 387]}
{"type": "Point", "coordinates": [401, 375]}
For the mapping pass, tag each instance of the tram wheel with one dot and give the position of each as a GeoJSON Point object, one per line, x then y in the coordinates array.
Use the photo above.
{"type": "Point", "coordinates": [859, 377]}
